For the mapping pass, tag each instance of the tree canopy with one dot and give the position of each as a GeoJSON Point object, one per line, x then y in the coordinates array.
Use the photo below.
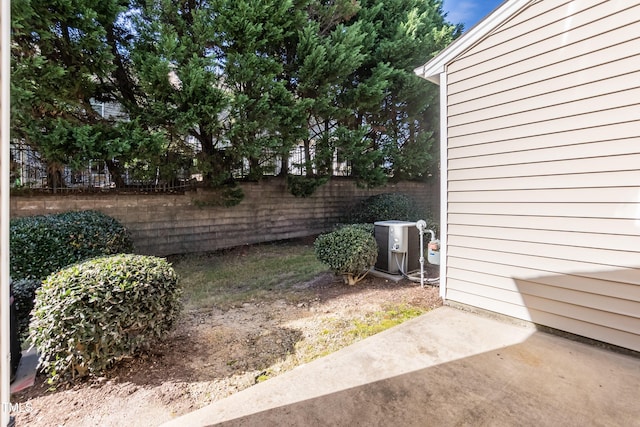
{"type": "Point", "coordinates": [214, 87]}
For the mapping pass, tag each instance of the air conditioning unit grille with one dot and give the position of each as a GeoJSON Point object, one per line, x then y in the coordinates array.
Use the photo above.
{"type": "Point", "coordinates": [398, 245]}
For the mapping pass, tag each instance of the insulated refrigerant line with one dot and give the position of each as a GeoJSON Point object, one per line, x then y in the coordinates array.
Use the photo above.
{"type": "Point", "coordinates": [421, 225]}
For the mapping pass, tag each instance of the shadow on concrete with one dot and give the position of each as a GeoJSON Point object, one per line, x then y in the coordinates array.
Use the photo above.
{"type": "Point", "coordinates": [510, 386]}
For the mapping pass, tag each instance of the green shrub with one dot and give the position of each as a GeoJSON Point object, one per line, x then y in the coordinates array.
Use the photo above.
{"type": "Point", "coordinates": [368, 227]}
{"type": "Point", "coordinates": [304, 186]}
{"type": "Point", "coordinates": [384, 207]}
{"type": "Point", "coordinates": [226, 195]}
{"type": "Point", "coordinates": [92, 314]}
{"type": "Point", "coordinates": [24, 294]}
{"type": "Point", "coordinates": [349, 251]}
{"type": "Point", "coordinates": [41, 245]}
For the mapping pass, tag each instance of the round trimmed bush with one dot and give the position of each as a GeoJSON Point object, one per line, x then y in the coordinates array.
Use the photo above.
{"type": "Point", "coordinates": [384, 207]}
{"type": "Point", "coordinates": [368, 227]}
{"type": "Point", "coordinates": [350, 251]}
{"type": "Point", "coordinates": [43, 244]}
{"type": "Point", "coordinates": [90, 315]}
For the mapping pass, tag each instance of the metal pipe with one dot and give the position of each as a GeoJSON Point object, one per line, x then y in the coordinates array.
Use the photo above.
{"type": "Point", "coordinates": [421, 225]}
{"type": "Point", "coordinates": [433, 235]}
{"type": "Point", "coordinates": [422, 257]}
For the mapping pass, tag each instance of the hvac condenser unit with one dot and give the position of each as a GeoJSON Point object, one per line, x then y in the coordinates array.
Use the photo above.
{"type": "Point", "coordinates": [398, 246]}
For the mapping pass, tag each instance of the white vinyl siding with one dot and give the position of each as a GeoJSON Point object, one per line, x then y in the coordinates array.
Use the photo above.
{"type": "Point", "coordinates": [543, 169]}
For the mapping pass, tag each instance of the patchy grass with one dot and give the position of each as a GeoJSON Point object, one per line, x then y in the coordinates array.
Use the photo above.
{"type": "Point", "coordinates": [336, 333]}
{"type": "Point", "coordinates": [225, 279]}
{"type": "Point", "coordinates": [261, 274]}
{"type": "Point", "coordinates": [264, 273]}
{"type": "Point", "coordinates": [331, 336]}
{"type": "Point", "coordinates": [379, 321]}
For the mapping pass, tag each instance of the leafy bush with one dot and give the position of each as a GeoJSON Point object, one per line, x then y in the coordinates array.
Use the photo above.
{"type": "Point", "coordinates": [24, 293]}
{"type": "Point", "coordinates": [227, 195]}
{"type": "Point", "coordinates": [304, 186]}
{"type": "Point", "coordinates": [41, 245]}
{"type": "Point", "coordinates": [349, 251]}
{"type": "Point", "coordinates": [384, 207]}
{"type": "Point", "coordinates": [92, 314]}
{"type": "Point", "coordinates": [368, 227]}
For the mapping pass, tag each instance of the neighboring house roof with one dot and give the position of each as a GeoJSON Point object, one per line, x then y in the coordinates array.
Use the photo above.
{"type": "Point", "coordinates": [432, 69]}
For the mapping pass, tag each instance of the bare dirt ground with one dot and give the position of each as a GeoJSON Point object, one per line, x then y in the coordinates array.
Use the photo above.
{"type": "Point", "coordinates": [214, 353]}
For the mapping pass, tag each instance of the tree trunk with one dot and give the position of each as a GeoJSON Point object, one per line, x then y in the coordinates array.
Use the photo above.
{"type": "Point", "coordinates": [54, 176]}
{"type": "Point", "coordinates": [308, 164]}
{"type": "Point", "coordinates": [123, 81]}
{"type": "Point", "coordinates": [116, 173]}
{"type": "Point", "coordinates": [217, 164]}
{"type": "Point", "coordinates": [255, 171]}
{"type": "Point", "coordinates": [284, 165]}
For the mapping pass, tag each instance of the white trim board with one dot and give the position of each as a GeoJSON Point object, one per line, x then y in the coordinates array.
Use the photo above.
{"type": "Point", "coordinates": [433, 69]}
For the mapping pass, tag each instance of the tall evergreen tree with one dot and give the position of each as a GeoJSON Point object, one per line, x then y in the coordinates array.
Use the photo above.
{"type": "Point", "coordinates": [264, 120]}
{"type": "Point", "coordinates": [326, 51]}
{"type": "Point", "coordinates": [397, 109]}
{"type": "Point", "coordinates": [234, 81]}
{"type": "Point", "coordinates": [177, 60]}
{"type": "Point", "coordinates": [325, 58]}
{"type": "Point", "coordinates": [60, 65]}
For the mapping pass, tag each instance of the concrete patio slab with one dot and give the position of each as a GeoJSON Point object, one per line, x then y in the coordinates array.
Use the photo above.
{"type": "Point", "coordinates": [445, 368]}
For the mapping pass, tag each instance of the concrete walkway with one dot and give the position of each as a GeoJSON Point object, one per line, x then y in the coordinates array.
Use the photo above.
{"type": "Point", "coordinates": [445, 368]}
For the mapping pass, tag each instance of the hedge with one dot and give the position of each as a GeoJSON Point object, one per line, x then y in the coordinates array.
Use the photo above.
{"type": "Point", "coordinates": [43, 244]}
{"type": "Point", "coordinates": [92, 314]}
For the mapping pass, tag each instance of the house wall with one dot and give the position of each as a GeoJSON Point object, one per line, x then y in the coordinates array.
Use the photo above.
{"type": "Point", "coordinates": [543, 169]}
{"type": "Point", "coordinates": [164, 224]}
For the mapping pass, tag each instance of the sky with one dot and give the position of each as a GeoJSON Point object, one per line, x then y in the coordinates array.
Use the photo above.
{"type": "Point", "coordinates": [469, 12]}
